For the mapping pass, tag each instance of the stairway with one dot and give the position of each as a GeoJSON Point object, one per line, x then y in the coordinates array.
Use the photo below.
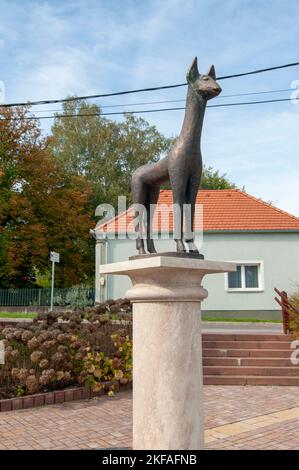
{"type": "Point", "coordinates": [248, 359]}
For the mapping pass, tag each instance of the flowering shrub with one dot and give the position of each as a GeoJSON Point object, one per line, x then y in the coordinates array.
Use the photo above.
{"type": "Point", "coordinates": [63, 349]}
{"type": "Point", "coordinates": [97, 368]}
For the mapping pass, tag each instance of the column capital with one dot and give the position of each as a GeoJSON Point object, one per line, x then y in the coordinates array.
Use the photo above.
{"type": "Point", "coordinates": [167, 278]}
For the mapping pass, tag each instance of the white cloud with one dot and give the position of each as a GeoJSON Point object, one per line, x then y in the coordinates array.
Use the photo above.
{"type": "Point", "coordinates": [259, 151]}
{"type": "Point", "coordinates": [59, 73]}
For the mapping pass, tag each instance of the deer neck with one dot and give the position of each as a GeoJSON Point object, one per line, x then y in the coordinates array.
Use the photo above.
{"type": "Point", "coordinates": [193, 120]}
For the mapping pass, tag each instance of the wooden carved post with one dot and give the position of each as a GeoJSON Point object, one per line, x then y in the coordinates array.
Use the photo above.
{"type": "Point", "coordinates": [285, 313]}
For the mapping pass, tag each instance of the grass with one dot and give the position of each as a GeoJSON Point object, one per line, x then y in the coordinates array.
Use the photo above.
{"type": "Point", "coordinates": [239, 320]}
{"type": "Point", "coordinates": [117, 317]}
{"type": "Point", "coordinates": [17, 315]}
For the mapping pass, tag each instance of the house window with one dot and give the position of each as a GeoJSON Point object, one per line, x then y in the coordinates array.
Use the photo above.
{"type": "Point", "coordinates": [247, 277]}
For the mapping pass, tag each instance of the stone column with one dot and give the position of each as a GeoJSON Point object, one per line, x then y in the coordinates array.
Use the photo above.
{"type": "Point", "coordinates": [167, 354]}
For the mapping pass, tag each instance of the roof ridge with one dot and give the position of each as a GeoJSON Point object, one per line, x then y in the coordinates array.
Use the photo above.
{"type": "Point", "coordinates": [208, 190]}
{"type": "Point", "coordinates": [220, 190]}
{"type": "Point", "coordinates": [261, 201]}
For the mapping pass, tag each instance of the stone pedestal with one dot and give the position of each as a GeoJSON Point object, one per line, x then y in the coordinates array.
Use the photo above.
{"type": "Point", "coordinates": [167, 354]}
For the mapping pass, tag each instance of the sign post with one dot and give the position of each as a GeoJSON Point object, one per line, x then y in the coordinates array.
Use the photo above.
{"type": "Point", "coordinates": [54, 257]}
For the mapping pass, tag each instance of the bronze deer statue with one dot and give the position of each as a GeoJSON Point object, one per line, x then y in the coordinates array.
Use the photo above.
{"type": "Point", "coordinates": [182, 167]}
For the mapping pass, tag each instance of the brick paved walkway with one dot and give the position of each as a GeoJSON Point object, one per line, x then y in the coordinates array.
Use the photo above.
{"type": "Point", "coordinates": [236, 418]}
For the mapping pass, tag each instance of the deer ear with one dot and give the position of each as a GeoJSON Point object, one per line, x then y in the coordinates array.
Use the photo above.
{"type": "Point", "coordinates": [193, 73]}
{"type": "Point", "coordinates": [212, 72]}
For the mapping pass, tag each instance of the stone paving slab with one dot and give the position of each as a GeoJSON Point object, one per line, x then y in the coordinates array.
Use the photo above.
{"type": "Point", "coordinates": [278, 436]}
{"type": "Point", "coordinates": [236, 417]}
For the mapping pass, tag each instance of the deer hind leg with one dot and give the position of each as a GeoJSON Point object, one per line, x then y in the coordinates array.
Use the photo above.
{"type": "Point", "coordinates": [150, 210]}
{"type": "Point", "coordinates": [192, 189]}
{"type": "Point", "coordinates": [140, 196]}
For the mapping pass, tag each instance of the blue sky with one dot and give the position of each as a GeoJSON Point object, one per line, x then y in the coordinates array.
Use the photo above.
{"type": "Point", "coordinates": [56, 48]}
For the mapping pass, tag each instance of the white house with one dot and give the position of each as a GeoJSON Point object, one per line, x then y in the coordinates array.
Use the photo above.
{"type": "Point", "coordinates": [262, 239]}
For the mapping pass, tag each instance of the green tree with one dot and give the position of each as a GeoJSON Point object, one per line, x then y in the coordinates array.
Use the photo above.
{"type": "Point", "coordinates": [212, 179]}
{"type": "Point", "coordinates": [42, 279]}
{"type": "Point", "coordinates": [103, 151]}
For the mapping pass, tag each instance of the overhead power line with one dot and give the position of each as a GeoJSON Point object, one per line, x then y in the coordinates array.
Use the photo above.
{"type": "Point", "coordinates": [164, 87]}
{"type": "Point", "coordinates": [173, 101]}
{"type": "Point", "coordinates": [147, 110]}
{"type": "Point", "coordinates": [253, 72]}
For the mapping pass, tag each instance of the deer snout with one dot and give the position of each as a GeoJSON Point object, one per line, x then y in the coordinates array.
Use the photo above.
{"type": "Point", "coordinates": [217, 89]}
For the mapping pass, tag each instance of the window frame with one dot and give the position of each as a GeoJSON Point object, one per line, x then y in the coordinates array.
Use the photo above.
{"type": "Point", "coordinates": [243, 288]}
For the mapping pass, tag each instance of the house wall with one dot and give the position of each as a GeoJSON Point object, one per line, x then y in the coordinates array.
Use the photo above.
{"type": "Point", "coordinates": [279, 253]}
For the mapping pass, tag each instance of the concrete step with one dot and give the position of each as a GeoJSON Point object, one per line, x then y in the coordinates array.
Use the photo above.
{"type": "Point", "coordinates": [250, 380]}
{"type": "Point", "coordinates": [246, 337]}
{"type": "Point", "coordinates": [246, 344]}
{"type": "Point", "coordinates": [213, 352]}
{"type": "Point", "coordinates": [251, 361]}
{"type": "Point", "coordinates": [248, 359]}
{"type": "Point", "coordinates": [253, 370]}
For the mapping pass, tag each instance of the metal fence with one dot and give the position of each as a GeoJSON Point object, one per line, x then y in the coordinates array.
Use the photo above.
{"type": "Point", "coordinates": [41, 297]}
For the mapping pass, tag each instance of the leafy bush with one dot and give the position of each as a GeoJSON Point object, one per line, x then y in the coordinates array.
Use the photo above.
{"type": "Point", "coordinates": [75, 298]}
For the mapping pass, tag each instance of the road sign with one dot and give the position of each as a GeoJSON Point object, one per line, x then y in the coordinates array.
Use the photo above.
{"type": "Point", "coordinates": [54, 257]}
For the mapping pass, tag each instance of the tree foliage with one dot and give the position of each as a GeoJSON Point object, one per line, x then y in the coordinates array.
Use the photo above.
{"type": "Point", "coordinates": [103, 151]}
{"type": "Point", "coordinates": [40, 209]}
{"type": "Point", "coordinates": [212, 179]}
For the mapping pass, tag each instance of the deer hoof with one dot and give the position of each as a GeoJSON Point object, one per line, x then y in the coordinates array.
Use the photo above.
{"type": "Point", "coordinates": [140, 247]}
{"type": "Point", "coordinates": [151, 247]}
{"type": "Point", "coordinates": [192, 247]}
{"type": "Point", "coordinates": [180, 247]}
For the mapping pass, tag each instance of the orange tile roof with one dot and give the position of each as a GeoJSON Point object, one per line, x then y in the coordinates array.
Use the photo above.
{"type": "Point", "coordinates": [223, 210]}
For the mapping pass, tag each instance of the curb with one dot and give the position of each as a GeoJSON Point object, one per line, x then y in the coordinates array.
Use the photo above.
{"type": "Point", "coordinates": [58, 396]}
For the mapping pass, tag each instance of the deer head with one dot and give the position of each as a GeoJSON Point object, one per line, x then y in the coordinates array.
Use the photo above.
{"type": "Point", "coordinates": [204, 86]}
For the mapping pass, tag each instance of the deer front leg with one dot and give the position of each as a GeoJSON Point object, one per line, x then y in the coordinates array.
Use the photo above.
{"type": "Point", "coordinates": [192, 189]}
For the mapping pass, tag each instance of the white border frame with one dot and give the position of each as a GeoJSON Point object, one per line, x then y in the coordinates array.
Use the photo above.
{"type": "Point", "coordinates": [261, 278]}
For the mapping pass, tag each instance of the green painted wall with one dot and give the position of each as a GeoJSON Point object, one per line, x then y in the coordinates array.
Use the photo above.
{"type": "Point", "coordinates": [278, 251]}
